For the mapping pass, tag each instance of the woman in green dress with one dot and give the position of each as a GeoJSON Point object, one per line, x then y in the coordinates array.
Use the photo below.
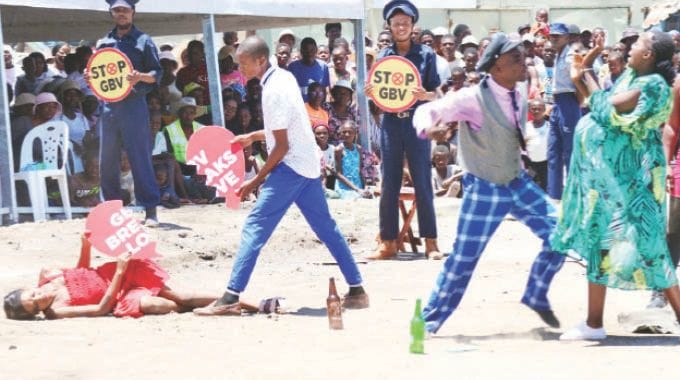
{"type": "Point", "coordinates": [613, 209]}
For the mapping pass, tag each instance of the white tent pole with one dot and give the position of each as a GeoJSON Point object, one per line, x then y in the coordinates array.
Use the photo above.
{"type": "Point", "coordinates": [214, 84]}
{"type": "Point", "coordinates": [7, 193]}
{"type": "Point", "coordinates": [359, 43]}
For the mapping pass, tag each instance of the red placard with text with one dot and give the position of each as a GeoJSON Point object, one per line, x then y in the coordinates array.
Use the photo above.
{"type": "Point", "coordinates": [115, 231]}
{"type": "Point", "coordinates": [223, 164]}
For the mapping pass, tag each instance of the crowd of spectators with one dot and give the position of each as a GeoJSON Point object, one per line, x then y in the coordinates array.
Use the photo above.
{"type": "Point", "coordinates": [54, 88]}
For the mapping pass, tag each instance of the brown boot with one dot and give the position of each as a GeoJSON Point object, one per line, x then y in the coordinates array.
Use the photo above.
{"type": "Point", "coordinates": [358, 301]}
{"type": "Point", "coordinates": [431, 249]}
{"type": "Point", "coordinates": [386, 249]}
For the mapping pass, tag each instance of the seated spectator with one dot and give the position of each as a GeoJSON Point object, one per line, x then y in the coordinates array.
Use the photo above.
{"type": "Point", "coordinates": [327, 155]}
{"type": "Point", "coordinates": [309, 69]}
{"type": "Point", "coordinates": [84, 186]}
{"type": "Point", "coordinates": [260, 153]}
{"type": "Point", "coordinates": [536, 136]}
{"type": "Point", "coordinates": [446, 178]}
{"type": "Point", "coordinates": [257, 123]}
{"type": "Point", "coordinates": [348, 164]}
{"type": "Point", "coordinates": [59, 52]}
{"type": "Point", "coordinates": [167, 89]}
{"type": "Point", "coordinates": [283, 54]}
{"type": "Point", "coordinates": [251, 169]}
{"type": "Point", "coordinates": [243, 119]}
{"type": "Point", "coordinates": [46, 108]}
{"type": "Point", "coordinates": [253, 91]}
{"type": "Point", "coordinates": [42, 74]}
{"type": "Point", "coordinates": [196, 91]}
{"type": "Point", "coordinates": [164, 181]}
{"type": "Point", "coordinates": [23, 106]}
{"type": "Point", "coordinates": [78, 126]}
{"type": "Point", "coordinates": [195, 72]}
{"type": "Point", "coordinates": [153, 101]}
{"type": "Point", "coordinates": [317, 96]}
{"type": "Point", "coordinates": [84, 53]}
{"type": "Point", "coordinates": [91, 112]}
{"type": "Point", "coordinates": [127, 181]}
{"type": "Point", "coordinates": [229, 110]}
{"type": "Point", "coordinates": [375, 125]}
{"type": "Point", "coordinates": [229, 76]}
{"type": "Point", "coordinates": [178, 133]}
{"type": "Point", "coordinates": [230, 92]}
{"type": "Point", "coordinates": [370, 168]}
{"type": "Point", "coordinates": [73, 67]}
{"type": "Point", "coordinates": [160, 156]}
{"type": "Point", "coordinates": [10, 70]}
{"type": "Point", "coordinates": [340, 109]}
{"type": "Point", "coordinates": [177, 136]}
{"type": "Point", "coordinates": [28, 81]}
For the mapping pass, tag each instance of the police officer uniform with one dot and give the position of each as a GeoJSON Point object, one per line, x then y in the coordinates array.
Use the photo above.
{"type": "Point", "coordinates": [125, 124]}
{"type": "Point", "coordinates": [398, 137]}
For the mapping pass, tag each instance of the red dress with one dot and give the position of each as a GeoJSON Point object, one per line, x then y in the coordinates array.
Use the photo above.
{"type": "Point", "coordinates": [87, 286]}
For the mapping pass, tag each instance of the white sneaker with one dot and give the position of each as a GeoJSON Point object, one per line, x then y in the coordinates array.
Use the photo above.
{"type": "Point", "coordinates": [658, 301]}
{"type": "Point", "coordinates": [151, 223]}
{"type": "Point", "coordinates": [584, 332]}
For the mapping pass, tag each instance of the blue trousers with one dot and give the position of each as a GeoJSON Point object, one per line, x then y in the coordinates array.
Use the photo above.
{"type": "Point", "coordinates": [282, 188]}
{"type": "Point", "coordinates": [397, 136]}
{"type": "Point", "coordinates": [484, 206]}
{"type": "Point", "coordinates": [563, 119]}
{"type": "Point", "coordinates": [125, 125]}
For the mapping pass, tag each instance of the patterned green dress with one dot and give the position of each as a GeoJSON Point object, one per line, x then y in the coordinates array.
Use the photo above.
{"type": "Point", "coordinates": [614, 202]}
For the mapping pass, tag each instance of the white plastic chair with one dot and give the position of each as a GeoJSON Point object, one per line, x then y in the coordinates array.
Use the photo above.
{"type": "Point", "coordinates": [53, 136]}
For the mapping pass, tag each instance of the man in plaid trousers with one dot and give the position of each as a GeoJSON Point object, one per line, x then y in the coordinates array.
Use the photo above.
{"type": "Point", "coordinates": [490, 118]}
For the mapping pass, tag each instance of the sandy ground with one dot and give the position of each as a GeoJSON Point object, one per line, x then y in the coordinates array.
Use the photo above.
{"type": "Point", "coordinates": [491, 336]}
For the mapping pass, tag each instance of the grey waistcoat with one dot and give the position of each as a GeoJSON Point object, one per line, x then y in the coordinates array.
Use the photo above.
{"type": "Point", "coordinates": [493, 152]}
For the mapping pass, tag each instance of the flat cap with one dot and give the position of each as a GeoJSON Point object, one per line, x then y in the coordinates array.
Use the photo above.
{"type": "Point", "coordinates": [500, 44]}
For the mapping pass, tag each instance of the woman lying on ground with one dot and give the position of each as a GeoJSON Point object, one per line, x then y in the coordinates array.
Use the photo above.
{"type": "Point", "coordinates": [126, 288]}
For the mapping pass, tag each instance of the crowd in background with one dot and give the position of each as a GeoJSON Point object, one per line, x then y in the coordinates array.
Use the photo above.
{"type": "Point", "coordinates": [54, 88]}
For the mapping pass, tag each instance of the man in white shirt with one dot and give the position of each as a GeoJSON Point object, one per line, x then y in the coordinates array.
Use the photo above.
{"type": "Point", "coordinates": [536, 137]}
{"type": "Point", "coordinates": [291, 174]}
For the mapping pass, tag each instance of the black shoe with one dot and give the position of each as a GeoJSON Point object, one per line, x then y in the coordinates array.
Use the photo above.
{"type": "Point", "coordinates": [548, 317]}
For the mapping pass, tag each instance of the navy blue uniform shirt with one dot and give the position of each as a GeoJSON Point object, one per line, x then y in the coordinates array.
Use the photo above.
{"type": "Point", "coordinates": [141, 51]}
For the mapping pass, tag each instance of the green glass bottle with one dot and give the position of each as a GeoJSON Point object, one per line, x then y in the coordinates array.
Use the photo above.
{"type": "Point", "coordinates": [417, 331]}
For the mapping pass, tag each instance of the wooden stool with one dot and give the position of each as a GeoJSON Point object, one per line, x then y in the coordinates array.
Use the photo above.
{"type": "Point", "coordinates": [406, 194]}
{"type": "Point", "coordinates": [406, 235]}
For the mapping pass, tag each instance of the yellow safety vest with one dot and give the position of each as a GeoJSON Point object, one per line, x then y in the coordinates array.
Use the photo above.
{"type": "Point", "coordinates": [178, 140]}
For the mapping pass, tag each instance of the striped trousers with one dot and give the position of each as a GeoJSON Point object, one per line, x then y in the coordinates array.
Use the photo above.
{"type": "Point", "coordinates": [484, 207]}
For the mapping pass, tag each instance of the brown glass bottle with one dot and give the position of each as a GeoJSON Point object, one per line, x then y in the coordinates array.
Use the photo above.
{"type": "Point", "coordinates": [334, 307]}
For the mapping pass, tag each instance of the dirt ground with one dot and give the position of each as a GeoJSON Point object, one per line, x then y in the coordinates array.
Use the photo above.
{"type": "Point", "coordinates": [491, 335]}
